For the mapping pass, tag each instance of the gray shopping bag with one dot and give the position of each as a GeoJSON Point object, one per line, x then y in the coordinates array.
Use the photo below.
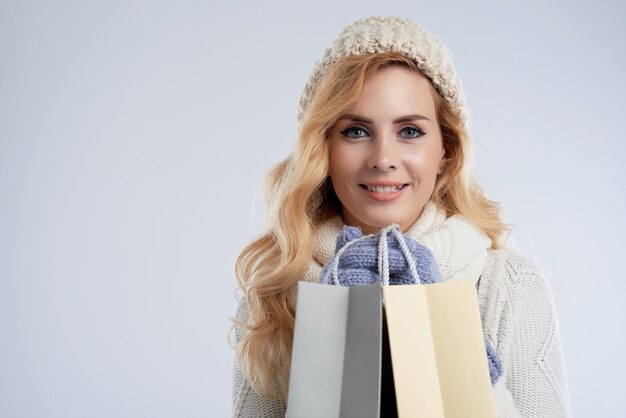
{"type": "Point", "coordinates": [336, 353]}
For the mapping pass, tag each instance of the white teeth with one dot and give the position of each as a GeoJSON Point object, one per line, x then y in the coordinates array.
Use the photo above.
{"type": "Point", "coordinates": [384, 189]}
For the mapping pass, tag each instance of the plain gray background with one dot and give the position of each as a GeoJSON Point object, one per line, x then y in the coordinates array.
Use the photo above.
{"type": "Point", "coordinates": [134, 136]}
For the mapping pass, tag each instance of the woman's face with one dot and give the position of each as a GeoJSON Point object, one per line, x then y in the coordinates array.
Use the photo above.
{"type": "Point", "coordinates": [386, 151]}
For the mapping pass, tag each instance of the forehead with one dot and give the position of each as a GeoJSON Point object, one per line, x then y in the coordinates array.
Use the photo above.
{"type": "Point", "coordinates": [393, 90]}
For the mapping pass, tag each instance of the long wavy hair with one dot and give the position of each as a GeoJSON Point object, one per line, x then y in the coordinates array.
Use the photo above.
{"type": "Point", "coordinates": [299, 196]}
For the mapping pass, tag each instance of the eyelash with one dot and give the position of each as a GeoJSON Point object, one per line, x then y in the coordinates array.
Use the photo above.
{"type": "Point", "coordinates": [352, 128]}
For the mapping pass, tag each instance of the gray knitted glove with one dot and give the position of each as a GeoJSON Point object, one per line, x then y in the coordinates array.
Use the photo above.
{"type": "Point", "coordinates": [358, 264]}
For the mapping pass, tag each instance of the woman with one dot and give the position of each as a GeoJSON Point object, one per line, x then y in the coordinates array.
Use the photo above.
{"type": "Point", "coordinates": [384, 138]}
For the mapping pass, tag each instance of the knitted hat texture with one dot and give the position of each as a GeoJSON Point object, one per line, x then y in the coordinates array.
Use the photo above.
{"type": "Point", "coordinates": [387, 33]}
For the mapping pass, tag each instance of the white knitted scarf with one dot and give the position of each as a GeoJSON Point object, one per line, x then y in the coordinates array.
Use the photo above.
{"type": "Point", "coordinates": [459, 248]}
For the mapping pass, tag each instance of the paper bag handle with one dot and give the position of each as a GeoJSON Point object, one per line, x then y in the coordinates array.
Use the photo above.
{"type": "Point", "coordinates": [383, 254]}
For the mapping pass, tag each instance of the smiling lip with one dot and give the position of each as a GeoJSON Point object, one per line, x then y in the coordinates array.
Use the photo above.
{"type": "Point", "coordinates": [384, 197]}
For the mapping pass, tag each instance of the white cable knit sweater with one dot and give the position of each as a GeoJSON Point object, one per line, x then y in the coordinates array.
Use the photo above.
{"type": "Point", "coordinates": [516, 309]}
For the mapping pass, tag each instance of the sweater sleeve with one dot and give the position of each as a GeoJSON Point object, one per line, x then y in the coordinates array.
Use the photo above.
{"type": "Point", "coordinates": [246, 403]}
{"type": "Point", "coordinates": [534, 381]}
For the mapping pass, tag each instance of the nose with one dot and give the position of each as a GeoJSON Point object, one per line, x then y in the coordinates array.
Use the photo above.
{"type": "Point", "coordinates": [383, 156]}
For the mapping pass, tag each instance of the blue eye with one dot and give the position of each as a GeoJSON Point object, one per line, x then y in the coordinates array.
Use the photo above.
{"type": "Point", "coordinates": [414, 132]}
{"type": "Point", "coordinates": [353, 129]}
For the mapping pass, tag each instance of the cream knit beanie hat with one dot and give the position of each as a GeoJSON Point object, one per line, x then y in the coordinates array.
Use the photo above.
{"type": "Point", "coordinates": [382, 34]}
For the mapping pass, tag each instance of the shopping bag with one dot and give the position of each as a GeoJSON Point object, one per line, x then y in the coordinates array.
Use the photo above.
{"type": "Point", "coordinates": [383, 351]}
{"type": "Point", "coordinates": [450, 375]}
{"type": "Point", "coordinates": [335, 358]}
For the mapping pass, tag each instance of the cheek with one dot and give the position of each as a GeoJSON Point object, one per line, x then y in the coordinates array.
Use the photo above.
{"type": "Point", "coordinates": [341, 162]}
{"type": "Point", "coordinates": [424, 162]}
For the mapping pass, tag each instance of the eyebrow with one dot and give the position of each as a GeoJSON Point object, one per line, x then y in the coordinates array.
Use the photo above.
{"type": "Point", "coordinates": [357, 118]}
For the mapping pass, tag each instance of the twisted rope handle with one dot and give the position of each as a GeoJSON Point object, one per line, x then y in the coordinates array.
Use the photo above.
{"type": "Point", "coordinates": [383, 255]}
{"type": "Point", "coordinates": [341, 250]}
